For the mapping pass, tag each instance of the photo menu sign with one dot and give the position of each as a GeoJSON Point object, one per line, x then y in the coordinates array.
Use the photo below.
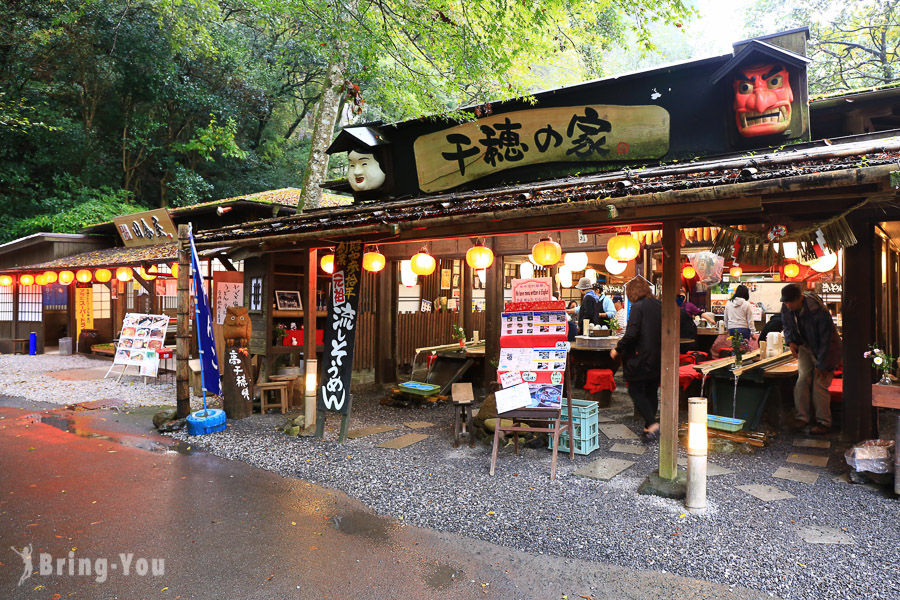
{"type": "Point", "coordinates": [140, 341]}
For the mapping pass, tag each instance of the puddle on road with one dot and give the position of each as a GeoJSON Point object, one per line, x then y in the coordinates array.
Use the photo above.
{"type": "Point", "coordinates": [69, 425]}
{"type": "Point", "coordinates": [364, 524]}
{"type": "Point", "coordinates": [442, 577]}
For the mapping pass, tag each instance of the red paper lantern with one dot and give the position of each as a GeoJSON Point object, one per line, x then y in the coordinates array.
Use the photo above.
{"type": "Point", "coordinates": [546, 252]}
{"type": "Point", "coordinates": [422, 263]}
{"type": "Point", "coordinates": [327, 263]}
{"type": "Point", "coordinates": [124, 274]}
{"type": "Point", "coordinates": [623, 247]}
{"type": "Point", "coordinates": [479, 257]}
{"type": "Point", "coordinates": [373, 261]}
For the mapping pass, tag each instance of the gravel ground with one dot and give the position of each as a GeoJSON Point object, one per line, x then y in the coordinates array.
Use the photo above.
{"type": "Point", "coordinates": [26, 376]}
{"type": "Point", "coordinates": [741, 541]}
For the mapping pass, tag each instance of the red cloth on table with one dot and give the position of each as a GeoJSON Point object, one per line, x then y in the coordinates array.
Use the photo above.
{"type": "Point", "coordinates": [836, 389]}
{"type": "Point", "coordinates": [686, 375]}
{"type": "Point", "coordinates": [686, 359]}
{"type": "Point", "coordinates": [599, 380]}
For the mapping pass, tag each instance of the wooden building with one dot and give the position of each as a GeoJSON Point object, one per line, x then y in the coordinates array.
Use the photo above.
{"type": "Point", "coordinates": [669, 149]}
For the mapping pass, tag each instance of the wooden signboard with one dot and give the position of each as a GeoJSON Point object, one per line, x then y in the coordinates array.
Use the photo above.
{"type": "Point", "coordinates": [146, 228]}
{"type": "Point", "coordinates": [450, 157]}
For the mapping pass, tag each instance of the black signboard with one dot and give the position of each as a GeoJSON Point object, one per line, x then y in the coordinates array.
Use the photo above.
{"type": "Point", "coordinates": [340, 330]}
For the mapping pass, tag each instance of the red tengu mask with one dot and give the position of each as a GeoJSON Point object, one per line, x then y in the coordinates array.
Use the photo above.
{"type": "Point", "coordinates": [762, 100]}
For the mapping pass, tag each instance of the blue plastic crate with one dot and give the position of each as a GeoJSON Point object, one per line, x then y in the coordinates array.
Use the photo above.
{"type": "Point", "coordinates": [581, 408]}
{"type": "Point", "coordinates": [583, 447]}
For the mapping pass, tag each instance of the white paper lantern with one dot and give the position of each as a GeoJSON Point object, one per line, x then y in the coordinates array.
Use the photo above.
{"type": "Point", "coordinates": [591, 274]}
{"type": "Point", "coordinates": [565, 276]}
{"type": "Point", "coordinates": [615, 267]}
{"type": "Point", "coordinates": [407, 277]}
{"type": "Point", "coordinates": [526, 270]}
{"type": "Point", "coordinates": [824, 264]}
{"type": "Point", "coordinates": [576, 261]}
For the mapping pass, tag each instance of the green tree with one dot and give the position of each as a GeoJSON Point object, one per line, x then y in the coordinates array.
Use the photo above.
{"type": "Point", "coordinates": [431, 57]}
{"type": "Point", "coordinates": [853, 44]}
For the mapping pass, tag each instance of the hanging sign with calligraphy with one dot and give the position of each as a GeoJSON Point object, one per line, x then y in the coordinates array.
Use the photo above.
{"type": "Point", "coordinates": [146, 228]}
{"type": "Point", "coordinates": [340, 330]}
{"type": "Point", "coordinates": [450, 157]}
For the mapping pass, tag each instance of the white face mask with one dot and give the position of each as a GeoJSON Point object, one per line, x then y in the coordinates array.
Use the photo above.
{"type": "Point", "coordinates": [364, 172]}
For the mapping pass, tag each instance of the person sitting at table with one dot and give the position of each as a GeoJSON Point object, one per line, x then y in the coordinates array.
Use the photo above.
{"type": "Point", "coordinates": [641, 352]}
{"type": "Point", "coordinates": [814, 341]}
{"type": "Point", "coordinates": [739, 313]}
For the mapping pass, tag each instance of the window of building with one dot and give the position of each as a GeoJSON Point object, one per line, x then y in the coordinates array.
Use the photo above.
{"type": "Point", "coordinates": [102, 302]}
{"type": "Point", "coordinates": [6, 303]}
{"type": "Point", "coordinates": [31, 302]}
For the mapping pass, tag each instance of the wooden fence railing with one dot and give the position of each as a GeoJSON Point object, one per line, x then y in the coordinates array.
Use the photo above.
{"type": "Point", "coordinates": [414, 330]}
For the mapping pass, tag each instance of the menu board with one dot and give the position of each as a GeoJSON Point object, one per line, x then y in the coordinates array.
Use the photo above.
{"type": "Point", "coordinates": [533, 351]}
{"type": "Point", "coordinates": [141, 338]}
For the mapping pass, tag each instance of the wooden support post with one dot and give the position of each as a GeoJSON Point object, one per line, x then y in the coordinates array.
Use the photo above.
{"type": "Point", "coordinates": [226, 263]}
{"type": "Point", "coordinates": [385, 323]}
{"type": "Point", "coordinates": [493, 306]}
{"type": "Point", "coordinates": [183, 332]}
{"type": "Point", "coordinates": [465, 299]}
{"type": "Point", "coordinates": [668, 413]}
{"type": "Point", "coordinates": [309, 330]}
{"type": "Point", "coordinates": [143, 282]}
{"type": "Point", "coordinates": [858, 306]}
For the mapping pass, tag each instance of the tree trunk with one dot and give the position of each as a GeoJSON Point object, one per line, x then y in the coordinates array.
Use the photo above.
{"type": "Point", "coordinates": [323, 131]}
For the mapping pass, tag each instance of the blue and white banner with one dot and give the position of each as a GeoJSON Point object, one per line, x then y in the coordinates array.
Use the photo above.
{"type": "Point", "coordinates": [210, 363]}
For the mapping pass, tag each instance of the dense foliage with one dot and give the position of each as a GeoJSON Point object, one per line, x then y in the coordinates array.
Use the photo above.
{"type": "Point", "coordinates": [110, 106]}
{"type": "Point", "coordinates": [854, 45]}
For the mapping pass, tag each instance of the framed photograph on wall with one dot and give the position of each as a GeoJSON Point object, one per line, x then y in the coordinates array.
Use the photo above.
{"type": "Point", "coordinates": [288, 300]}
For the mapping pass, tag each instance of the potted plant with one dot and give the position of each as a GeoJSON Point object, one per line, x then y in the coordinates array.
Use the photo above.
{"type": "Point", "coordinates": [883, 363]}
{"type": "Point", "coordinates": [738, 346]}
{"type": "Point", "coordinates": [459, 334]}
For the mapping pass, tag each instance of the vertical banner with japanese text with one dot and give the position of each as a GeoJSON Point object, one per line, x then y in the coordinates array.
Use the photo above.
{"type": "Point", "coordinates": [84, 308]}
{"type": "Point", "coordinates": [340, 329]}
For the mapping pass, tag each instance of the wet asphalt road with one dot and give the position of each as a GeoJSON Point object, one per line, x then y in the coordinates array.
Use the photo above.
{"type": "Point", "coordinates": [101, 485]}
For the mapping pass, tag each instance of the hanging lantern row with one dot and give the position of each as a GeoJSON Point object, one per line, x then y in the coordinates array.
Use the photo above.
{"type": "Point", "coordinates": [85, 276]}
{"type": "Point", "coordinates": [623, 247]}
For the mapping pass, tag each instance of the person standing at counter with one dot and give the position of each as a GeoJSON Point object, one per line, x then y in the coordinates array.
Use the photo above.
{"type": "Point", "coordinates": [595, 308]}
{"type": "Point", "coordinates": [739, 313]}
{"type": "Point", "coordinates": [641, 352]}
{"type": "Point", "coordinates": [620, 312]}
{"type": "Point", "coordinates": [814, 341]}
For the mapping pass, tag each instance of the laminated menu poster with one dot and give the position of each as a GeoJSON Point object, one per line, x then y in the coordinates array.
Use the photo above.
{"type": "Point", "coordinates": [141, 338]}
{"type": "Point", "coordinates": [533, 351]}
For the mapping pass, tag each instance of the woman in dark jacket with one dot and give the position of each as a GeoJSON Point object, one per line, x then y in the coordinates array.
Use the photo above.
{"type": "Point", "coordinates": [641, 352]}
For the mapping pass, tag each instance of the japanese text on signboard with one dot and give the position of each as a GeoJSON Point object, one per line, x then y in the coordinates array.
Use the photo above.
{"type": "Point", "coordinates": [240, 377]}
{"type": "Point", "coordinates": [450, 157]}
{"type": "Point", "coordinates": [340, 333]}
